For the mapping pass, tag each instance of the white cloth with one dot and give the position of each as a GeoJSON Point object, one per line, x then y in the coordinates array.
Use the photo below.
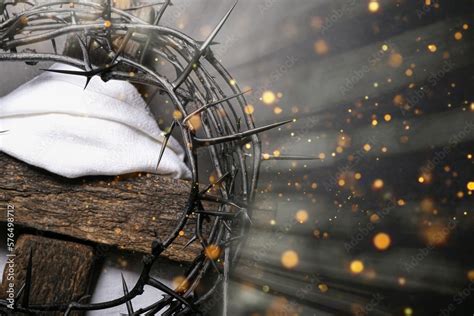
{"type": "Point", "coordinates": [106, 129]}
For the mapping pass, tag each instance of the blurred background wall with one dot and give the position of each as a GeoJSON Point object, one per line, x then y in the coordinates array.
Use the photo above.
{"type": "Point", "coordinates": [382, 92]}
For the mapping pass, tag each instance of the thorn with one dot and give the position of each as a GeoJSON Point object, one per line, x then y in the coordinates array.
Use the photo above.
{"type": "Point", "coordinates": [238, 136]}
{"type": "Point", "coordinates": [88, 74]}
{"type": "Point", "coordinates": [193, 239]}
{"type": "Point", "coordinates": [225, 175]}
{"type": "Point", "coordinates": [167, 136]}
{"type": "Point", "coordinates": [206, 106]}
{"type": "Point", "coordinates": [215, 213]}
{"type": "Point", "coordinates": [186, 71]}
{"type": "Point", "coordinates": [125, 292]}
{"type": "Point", "coordinates": [26, 294]}
{"type": "Point", "coordinates": [288, 157]}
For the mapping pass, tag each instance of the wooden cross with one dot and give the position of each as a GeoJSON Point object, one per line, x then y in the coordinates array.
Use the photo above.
{"type": "Point", "coordinates": [74, 219]}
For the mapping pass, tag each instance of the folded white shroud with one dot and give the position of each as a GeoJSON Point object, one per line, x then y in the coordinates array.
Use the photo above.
{"type": "Point", "coordinates": [106, 129]}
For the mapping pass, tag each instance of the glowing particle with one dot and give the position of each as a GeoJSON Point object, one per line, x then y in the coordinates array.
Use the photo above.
{"type": "Point", "coordinates": [276, 153]}
{"type": "Point", "coordinates": [249, 109]}
{"type": "Point", "coordinates": [213, 252]}
{"type": "Point", "coordinates": [470, 185]}
{"type": "Point", "coordinates": [470, 275]}
{"type": "Point", "coordinates": [357, 176]}
{"type": "Point", "coordinates": [409, 72]}
{"type": "Point", "coordinates": [458, 36]}
{"type": "Point", "coordinates": [377, 184]}
{"type": "Point", "coordinates": [266, 156]}
{"type": "Point", "coordinates": [381, 241]}
{"type": "Point", "coordinates": [314, 185]}
{"type": "Point", "coordinates": [181, 233]}
{"type": "Point", "coordinates": [265, 288]}
{"type": "Point", "coordinates": [374, 122]}
{"type": "Point", "coordinates": [180, 283]}
{"type": "Point", "coordinates": [357, 266]}
{"type": "Point", "coordinates": [387, 117]}
{"type": "Point", "coordinates": [341, 182]}
{"type": "Point", "coordinates": [374, 218]}
{"type": "Point", "coordinates": [374, 6]}
{"type": "Point", "coordinates": [268, 97]}
{"type": "Point", "coordinates": [322, 156]}
{"type": "Point", "coordinates": [323, 287]}
{"type": "Point", "coordinates": [321, 47]}
{"type": "Point", "coordinates": [289, 259]}
{"type": "Point", "coordinates": [301, 216]}
{"type": "Point", "coordinates": [177, 115]}
{"type": "Point", "coordinates": [408, 311]}
{"type": "Point", "coordinates": [402, 281]}
{"type": "Point", "coordinates": [432, 48]}
{"type": "Point", "coordinates": [367, 147]}
{"type": "Point", "coordinates": [107, 23]}
{"type": "Point", "coordinates": [384, 47]}
{"type": "Point", "coordinates": [232, 82]}
{"type": "Point", "coordinates": [395, 60]}
{"type": "Point", "coordinates": [465, 26]}
{"type": "Point", "coordinates": [277, 110]}
{"type": "Point", "coordinates": [248, 146]}
{"type": "Point", "coordinates": [272, 222]}
{"type": "Point", "coordinates": [469, 156]}
{"type": "Point", "coordinates": [421, 179]}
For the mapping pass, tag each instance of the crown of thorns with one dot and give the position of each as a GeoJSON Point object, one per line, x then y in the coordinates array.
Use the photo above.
{"type": "Point", "coordinates": [198, 86]}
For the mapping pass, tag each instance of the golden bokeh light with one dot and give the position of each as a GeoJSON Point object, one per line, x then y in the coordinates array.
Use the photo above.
{"type": "Point", "coordinates": [301, 216]}
{"type": "Point", "coordinates": [382, 241]}
{"type": "Point", "coordinates": [321, 47]}
{"type": "Point", "coordinates": [289, 259]}
{"type": "Point", "coordinates": [374, 6]}
{"type": "Point", "coordinates": [268, 97]}
{"type": "Point", "coordinates": [377, 184]}
{"type": "Point", "coordinates": [470, 185]}
{"type": "Point", "coordinates": [213, 252]}
{"type": "Point", "coordinates": [356, 266]}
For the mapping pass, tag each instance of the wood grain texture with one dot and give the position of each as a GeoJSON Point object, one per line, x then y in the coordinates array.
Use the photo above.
{"type": "Point", "coordinates": [61, 270]}
{"type": "Point", "coordinates": [125, 211]}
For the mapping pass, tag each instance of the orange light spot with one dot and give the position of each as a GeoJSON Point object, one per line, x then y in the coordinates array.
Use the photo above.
{"type": "Point", "coordinates": [382, 241]}
{"type": "Point", "coordinates": [357, 266]}
{"type": "Point", "coordinates": [289, 259]}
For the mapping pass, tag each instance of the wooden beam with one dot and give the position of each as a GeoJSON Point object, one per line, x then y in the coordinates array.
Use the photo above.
{"type": "Point", "coordinates": [124, 211]}
{"type": "Point", "coordinates": [61, 271]}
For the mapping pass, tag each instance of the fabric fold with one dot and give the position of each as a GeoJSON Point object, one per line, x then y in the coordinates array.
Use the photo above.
{"type": "Point", "coordinates": [106, 129]}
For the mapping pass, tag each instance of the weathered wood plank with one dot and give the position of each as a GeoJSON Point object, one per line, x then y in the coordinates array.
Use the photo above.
{"type": "Point", "coordinates": [61, 270]}
{"type": "Point", "coordinates": [125, 211]}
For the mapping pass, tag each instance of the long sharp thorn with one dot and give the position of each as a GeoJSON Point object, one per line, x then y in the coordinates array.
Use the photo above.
{"type": "Point", "coordinates": [206, 106]}
{"type": "Point", "coordinates": [125, 292]}
{"type": "Point", "coordinates": [29, 268]}
{"type": "Point", "coordinates": [193, 239]}
{"type": "Point", "coordinates": [238, 136]}
{"type": "Point", "coordinates": [165, 143]}
{"type": "Point", "coordinates": [88, 80]}
{"type": "Point", "coordinates": [225, 175]}
{"type": "Point", "coordinates": [186, 71]}
{"type": "Point", "coordinates": [55, 48]}
{"type": "Point", "coordinates": [214, 213]}
{"type": "Point", "coordinates": [289, 157]}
